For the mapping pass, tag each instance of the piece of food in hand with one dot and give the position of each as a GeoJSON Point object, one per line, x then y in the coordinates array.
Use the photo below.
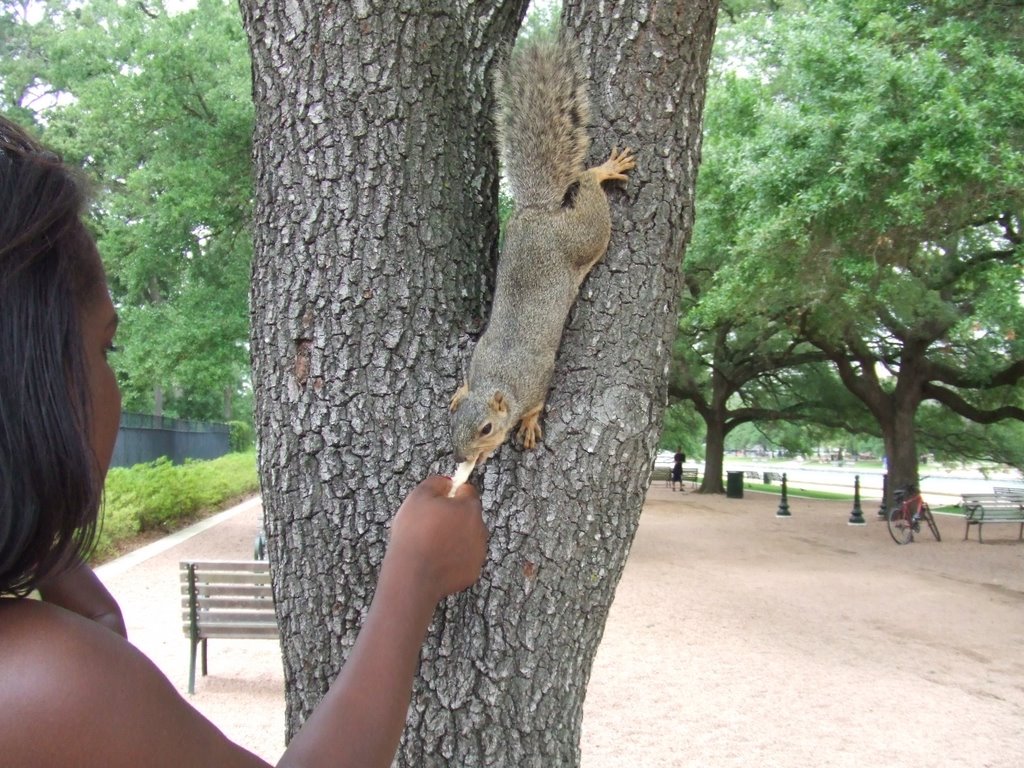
{"type": "Point", "coordinates": [461, 475]}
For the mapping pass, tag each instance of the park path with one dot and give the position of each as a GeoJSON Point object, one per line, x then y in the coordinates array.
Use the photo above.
{"type": "Point", "coordinates": [736, 638]}
{"type": "Point", "coordinates": [244, 693]}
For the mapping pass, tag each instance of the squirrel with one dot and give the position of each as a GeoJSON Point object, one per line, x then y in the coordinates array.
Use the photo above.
{"type": "Point", "coordinates": [560, 229]}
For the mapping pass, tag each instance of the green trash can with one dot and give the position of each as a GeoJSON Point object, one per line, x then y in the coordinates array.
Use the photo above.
{"type": "Point", "coordinates": [734, 485]}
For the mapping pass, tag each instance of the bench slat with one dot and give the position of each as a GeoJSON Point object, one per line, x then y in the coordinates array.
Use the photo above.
{"type": "Point", "coordinates": [205, 577]}
{"type": "Point", "coordinates": [227, 565]}
{"type": "Point", "coordinates": [229, 590]}
{"type": "Point", "coordinates": [1000, 515]}
{"type": "Point", "coordinates": [205, 619]}
{"type": "Point", "coordinates": [235, 631]}
{"type": "Point", "coordinates": [221, 603]}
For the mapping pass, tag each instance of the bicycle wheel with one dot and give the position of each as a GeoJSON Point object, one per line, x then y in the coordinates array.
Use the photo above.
{"type": "Point", "coordinates": [926, 512]}
{"type": "Point", "coordinates": [901, 524]}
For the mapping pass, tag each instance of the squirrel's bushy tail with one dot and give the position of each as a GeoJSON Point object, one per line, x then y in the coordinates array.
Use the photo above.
{"type": "Point", "coordinates": [542, 119]}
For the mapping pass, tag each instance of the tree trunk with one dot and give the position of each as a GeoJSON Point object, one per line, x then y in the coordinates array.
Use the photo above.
{"type": "Point", "coordinates": [374, 254]}
{"type": "Point", "coordinates": [899, 433]}
{"type": "Point", "coordinates": [714, 453]}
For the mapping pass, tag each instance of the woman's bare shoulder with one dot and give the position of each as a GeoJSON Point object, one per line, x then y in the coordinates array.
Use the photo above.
{"type": "Point", "coordinates": [74, 693]}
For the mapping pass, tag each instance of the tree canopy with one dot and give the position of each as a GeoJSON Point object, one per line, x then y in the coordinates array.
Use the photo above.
{"type": "Point", "coordinates": [156, 106]}
{"type": "Point", "coordinates": [863, 185]}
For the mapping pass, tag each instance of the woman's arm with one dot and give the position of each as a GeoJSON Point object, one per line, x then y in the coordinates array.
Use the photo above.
{"type": "Point", "coordinates": [77, 589]}
{"type": "Point", "coordinates": [74, 694]}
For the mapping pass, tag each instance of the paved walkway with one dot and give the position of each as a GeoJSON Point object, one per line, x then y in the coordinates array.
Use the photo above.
{"type": "Point", "coordinates": [244, 693]}
{"type": "Point", "coordinates": [736, 639]}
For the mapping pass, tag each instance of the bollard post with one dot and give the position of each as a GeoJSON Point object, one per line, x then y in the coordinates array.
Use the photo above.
{"type": "Point", "coordinates": [856, 515]}
{"type": "Point", "coordinates": [882, 511]}
{"type": "Point", "coordinates": [783, 510]}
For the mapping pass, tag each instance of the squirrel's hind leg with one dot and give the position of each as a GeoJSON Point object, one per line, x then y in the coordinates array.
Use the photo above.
{"type": "Point", "coordinates": [529, 428]}
{"type": "Point", "coordinates": [615, 167]}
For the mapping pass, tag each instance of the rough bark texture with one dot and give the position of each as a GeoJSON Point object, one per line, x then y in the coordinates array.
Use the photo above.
{"type": "Point", "coordinates": [374, 239]}
{"type": "Point", "coordinates": [375, 232]}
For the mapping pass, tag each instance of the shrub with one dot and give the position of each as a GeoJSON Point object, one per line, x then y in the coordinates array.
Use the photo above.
{"type": "Point", "coordinates": [161, 496]}
{"type": "Point", "coordinates": [241, 435]}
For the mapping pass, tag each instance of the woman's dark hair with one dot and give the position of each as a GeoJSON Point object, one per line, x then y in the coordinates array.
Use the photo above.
{"type": "Point", "coordinates": [50, 484]}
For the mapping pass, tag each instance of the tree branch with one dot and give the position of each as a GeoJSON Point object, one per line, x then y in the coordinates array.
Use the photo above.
{"type": "Point", "coordinates": [957, 404]}
{"type": "Point", "coordinates": [955, 377]}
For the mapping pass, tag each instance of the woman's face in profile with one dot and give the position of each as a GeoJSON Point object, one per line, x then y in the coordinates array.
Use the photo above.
{"type": "Point", "coordinates": [99, 324]}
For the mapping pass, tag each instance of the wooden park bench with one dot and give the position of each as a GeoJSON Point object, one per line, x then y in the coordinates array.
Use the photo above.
{"type": "Point", "coordinates": [225, 598]}
{"type": "Point", "coordinates": [983, 508]}
{"type": "Point", "coordinates": [1014, 494]}
{"type": "Point", "coordinates": [689, 476]}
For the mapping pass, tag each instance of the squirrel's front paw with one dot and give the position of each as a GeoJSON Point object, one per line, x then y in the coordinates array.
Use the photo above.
{"type": "Point", "coordinates": [529, 428]}
{"type": "Point", "coordinates": [615, 167]}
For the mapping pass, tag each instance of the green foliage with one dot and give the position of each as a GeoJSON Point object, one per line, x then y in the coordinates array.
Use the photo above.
{"type": "Point", "coordinates": [876, 154]}
{"type": "Point", "coordinates": [242, 435]}
{"type": "Point", "coordinates": [684, 429]}
{"type": "Point", "coordinates": [953, 438]}
{"type": "Point", "coordinates": [542, 18]}
{"type": "Point", "coordinates": [862, 185]}
{"type": "Point", "coordinates": [162, 496]}
{"type": "Point", "coordinates": [157, 108]}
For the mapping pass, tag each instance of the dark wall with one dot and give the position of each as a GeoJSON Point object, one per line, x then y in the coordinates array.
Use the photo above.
{"type": "Point", "coordinates": [143, 438]}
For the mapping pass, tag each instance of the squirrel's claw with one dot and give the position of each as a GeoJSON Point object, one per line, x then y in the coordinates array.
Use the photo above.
{"type": "Point", "coordinates": [529, 428]}
{"type": "Point", "coordinates": [615, 167]}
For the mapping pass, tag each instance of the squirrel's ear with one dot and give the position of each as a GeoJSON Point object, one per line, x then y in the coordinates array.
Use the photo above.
{"type": "Point", "coordinates": [498, 404]}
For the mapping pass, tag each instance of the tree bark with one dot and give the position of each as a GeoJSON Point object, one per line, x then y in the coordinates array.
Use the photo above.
{"type": "Point", "coordinates": [714, 454]}
{"type": "Point", "coordinates": [374, 256]}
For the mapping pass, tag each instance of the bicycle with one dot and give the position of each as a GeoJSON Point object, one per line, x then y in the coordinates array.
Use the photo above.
{"type": "Point", "coordinates": [909, 509]}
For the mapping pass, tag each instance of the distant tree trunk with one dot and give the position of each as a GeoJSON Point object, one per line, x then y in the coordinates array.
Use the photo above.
{"type": "Point", "coordinates": [374, 254]}
{"type": "Point", "coordinates": [899, 435]}
{"type": "Point", "coordinates": [714, 454]}
{"type": "Point", "coordinates": [894, 408]}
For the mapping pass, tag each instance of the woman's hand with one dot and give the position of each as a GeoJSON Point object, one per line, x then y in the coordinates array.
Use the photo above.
{"type": "Point", "coordinates": [439, 542]}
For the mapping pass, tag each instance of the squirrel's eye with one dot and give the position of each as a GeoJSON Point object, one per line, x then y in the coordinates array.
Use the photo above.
{"type": "Point", "coordinates": [485, 429]}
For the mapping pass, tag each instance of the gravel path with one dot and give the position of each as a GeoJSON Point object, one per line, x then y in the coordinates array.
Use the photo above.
{"type": "Point", "coordinates": [736, 639]}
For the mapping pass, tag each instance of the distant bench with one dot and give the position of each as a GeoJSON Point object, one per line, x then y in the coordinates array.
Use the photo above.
{"type": "Point", "coordinates": [225, 598]}
{"type": "Point", "coordinates": [770, 477]}
{"type": "Point", "coordinates": [689, 475]}
{"type": "Point", "coordinates": [1003, 505]}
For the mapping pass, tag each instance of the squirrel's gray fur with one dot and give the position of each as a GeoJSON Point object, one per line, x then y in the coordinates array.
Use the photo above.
{"type": "Point", "coordinates": [560, 228]}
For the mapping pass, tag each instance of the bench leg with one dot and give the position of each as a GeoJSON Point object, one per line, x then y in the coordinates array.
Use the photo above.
{"type": "Point", "coordinates": [204, 657]}
{"type": "Point", "coordinates": [192, 668]}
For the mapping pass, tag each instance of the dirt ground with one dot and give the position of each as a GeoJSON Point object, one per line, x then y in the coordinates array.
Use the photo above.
{"type": "Point", "coordinates": [737, 638]}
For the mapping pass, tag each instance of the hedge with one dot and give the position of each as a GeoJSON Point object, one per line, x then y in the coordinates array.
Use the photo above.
{"type": "Point", "coordinates": [161, 496]}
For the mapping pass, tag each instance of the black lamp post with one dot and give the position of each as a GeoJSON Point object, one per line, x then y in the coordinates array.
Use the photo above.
{"type": "Point", "coordinates": [856, 516]}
